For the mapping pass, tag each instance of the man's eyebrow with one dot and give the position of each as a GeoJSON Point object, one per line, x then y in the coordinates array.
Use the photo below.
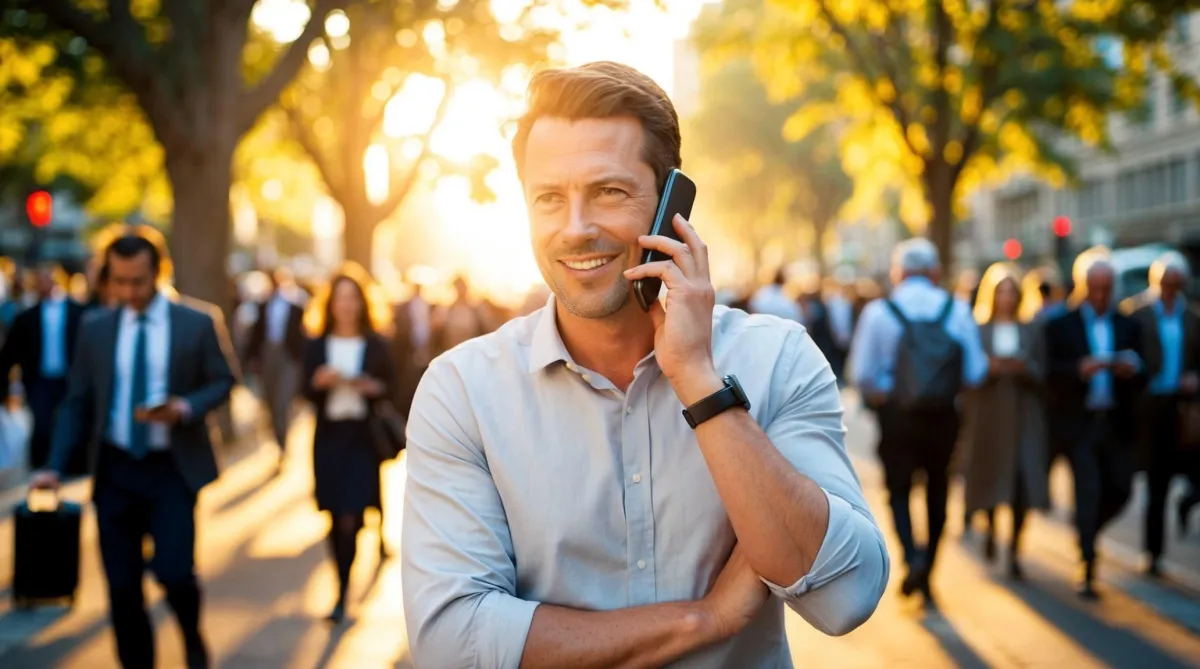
{"type": "Point", "coordinates": [606, 178]}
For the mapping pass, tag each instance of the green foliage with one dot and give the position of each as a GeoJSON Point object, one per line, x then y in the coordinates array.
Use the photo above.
{"type": "Point", "coordinates": [938, 97]}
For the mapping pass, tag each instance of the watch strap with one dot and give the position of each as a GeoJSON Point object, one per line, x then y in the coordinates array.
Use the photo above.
{"type": "Point", "coordinates": [724, 399]}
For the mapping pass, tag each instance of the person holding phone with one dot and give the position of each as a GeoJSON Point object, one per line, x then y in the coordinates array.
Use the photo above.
{"type": "Point", "coordinates": [623, 481]}
{"type": "Point", "coordinates": [347, 367]}
{"type": "Point", "coordinates": [1095, 375]}
{"type": "Point", "coordinates": [148, 374]}
{"type": "Point", "coordinates": [1004, 436]}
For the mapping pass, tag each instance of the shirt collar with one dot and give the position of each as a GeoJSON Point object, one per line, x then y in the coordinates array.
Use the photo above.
{"type": "Point", "coordinates": [1175, 312]}
{"type": "Point", "coordinates": [547, 347]}
{"type": "Point", "coordinates": [155, 311]}
{"type": "Point", "coordinates": [1089, 313]}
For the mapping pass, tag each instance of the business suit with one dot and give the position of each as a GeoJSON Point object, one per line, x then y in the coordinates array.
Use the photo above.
{"type": "Point", "coordinates": [25, 348]}
{"type": "Point", "coordinates": [411, 348]}
{"type": "Point", "coordinates": [153, 494]}
{"type": "Point", "coordinates": [1159, 448]}
{"type": "Point", "coordinates": [280, 362]}
{"type": "Point", "coordinates": [1101, 441]}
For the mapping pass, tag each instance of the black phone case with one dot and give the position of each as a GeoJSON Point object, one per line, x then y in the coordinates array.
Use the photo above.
{"type": "Point", "coordinates": [679, 193]}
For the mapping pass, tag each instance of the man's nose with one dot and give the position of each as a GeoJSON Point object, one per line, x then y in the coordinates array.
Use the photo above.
{"type": "Point", "coordinates": [579, 222]}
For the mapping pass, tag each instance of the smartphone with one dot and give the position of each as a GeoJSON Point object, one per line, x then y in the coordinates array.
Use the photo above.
{"type": "Point", "coordinates": [678, 195]}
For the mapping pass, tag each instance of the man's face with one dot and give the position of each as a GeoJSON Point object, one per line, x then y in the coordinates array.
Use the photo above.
{"type": "Point", "coordinates": [132, 280]}
{"type": "Point", "coordinates": [1172, 283]}
{"type": "Point", "coordinates": [590, 196]}
{"type": "Point", "coordinates": [1100, 289]}
{"type": "Point", "coordinates": [45, 281]}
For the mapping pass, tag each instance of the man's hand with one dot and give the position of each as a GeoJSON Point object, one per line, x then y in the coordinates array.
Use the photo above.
{"type": "Point", "coordinates": [174, 411]}
{"type": "Point", "coordinates": [45, 479]}
{"type": "Point", "coordinates": [1089, 367]}
{"type": "Point", "coordinates": [325, 378]}
{"type": "Point", "coordinates": [683, 330]}
{"type": "Point", "coordinates": [1124, 370]}
{"type": "Point", "coordinates": [735, 598]}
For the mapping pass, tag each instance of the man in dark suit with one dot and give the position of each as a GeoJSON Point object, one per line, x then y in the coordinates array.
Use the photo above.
{"type": "Point", "coordinates": [1095, 373]}
{"type": "Point", "coordinates": [274, 352]}
{"type": "Point", "coordinates": [42, 345]}
{"type": "Point", "coordinates": [411, 346]}
{"type": "Point", "coordinates": [151, 372]}
{"type": "Point", "coordinates": [1171, 334]}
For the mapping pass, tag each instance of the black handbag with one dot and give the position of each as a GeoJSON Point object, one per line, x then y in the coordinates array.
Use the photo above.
{"type": "Point", "coordinates": [387, 430]}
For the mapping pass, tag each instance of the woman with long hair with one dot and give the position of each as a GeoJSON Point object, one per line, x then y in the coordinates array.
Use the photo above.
{"type": "Point", "coordinates": [1005, 435]}
{"type": "Point", "coordinates": [347, 369]}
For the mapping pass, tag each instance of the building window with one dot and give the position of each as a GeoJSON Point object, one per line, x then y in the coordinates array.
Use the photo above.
{"type": "Point", "coordinates": [1126, 191]}
{"type": "Point", "coordinates": [1177, 176]}
{"type": "Point", "coordinates": [1089, 198]}
{"type": "Point", "coordinates": [1013, 211]}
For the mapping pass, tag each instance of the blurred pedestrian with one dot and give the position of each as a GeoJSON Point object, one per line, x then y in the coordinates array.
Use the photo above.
{"type": "Point", "coordinates": [347, 368]}
{"type": "Point", "coordinates": [559, 509]}
{"type": "Point", "coordinates": [1004, 434]}
{"type": "Point", "coordinates": [1171, 341]}
{"type": "Point", "coordinates": [912, 354]}
{"type": "Point", "coordinates": [773, 299]}
{"type": "Point", "coordinates": [1095, 375]}
{"type": "Point", "coordinates": [458, 321]}
{"type": "Point", "coordinates": [41, 343]}
{"type": "Point", "coordinates": [151, 372]}
{"type": "Point", "coordinates": [412, 344]}
{"type": "Point", "coordinates": [274, 351]}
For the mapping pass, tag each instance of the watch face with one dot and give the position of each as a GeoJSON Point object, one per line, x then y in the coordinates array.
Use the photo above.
{"type": "Point", "coordinates": [737, 390]}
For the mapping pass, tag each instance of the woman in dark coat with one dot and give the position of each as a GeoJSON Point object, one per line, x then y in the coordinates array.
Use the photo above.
{"type": "Point", "coordinates": [346, 368]}
{"type": "Point", "coordinates": [1005, 435]}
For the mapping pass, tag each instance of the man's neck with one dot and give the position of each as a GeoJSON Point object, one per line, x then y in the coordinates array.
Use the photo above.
{"type": "Point", "coordinates": [612, 346]}
{"type": "Point", "coordinates": [1169, 300]}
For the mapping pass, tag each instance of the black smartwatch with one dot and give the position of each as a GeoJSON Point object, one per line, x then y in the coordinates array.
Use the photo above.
{"type": "Point", "coordinates": [726, 398]}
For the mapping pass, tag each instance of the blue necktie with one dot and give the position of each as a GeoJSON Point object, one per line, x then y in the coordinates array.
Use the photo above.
{"type": "Point", "coordinates": [139, 432]}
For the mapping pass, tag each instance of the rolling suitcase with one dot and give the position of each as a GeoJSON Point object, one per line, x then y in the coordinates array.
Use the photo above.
{"type": "Point", "coordinates": [45, 552]}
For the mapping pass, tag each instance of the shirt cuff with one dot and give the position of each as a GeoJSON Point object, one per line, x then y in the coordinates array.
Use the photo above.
{"type": "Point", "coordinates": [504, 623]}
{"type": "Point", "coordinates": [185, 410]}
{"type": "Point", "coordinates": [835, 557]}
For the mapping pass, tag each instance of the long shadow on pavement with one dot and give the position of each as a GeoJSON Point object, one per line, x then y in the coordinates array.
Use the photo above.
{"type": "Point", "coordinates": [941, 629]}
{"type": "Point", "coordinates": [1115, 646]}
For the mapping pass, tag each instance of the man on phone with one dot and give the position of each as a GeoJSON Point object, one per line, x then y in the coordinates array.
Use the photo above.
{"type": "Point", "coordinates": [150, 372]}
{"type": "Point", "coordinates": [562, 509]}
{"type": "Point", "coordinates": [1095, 375]}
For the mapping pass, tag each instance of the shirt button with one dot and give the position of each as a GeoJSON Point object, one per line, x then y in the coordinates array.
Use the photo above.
{"type": "Point", "coordinates": [571, 366]}
{"type": "Point", "coordinates": [585, 377]}
{"type": "Point", "coordinates": [641, 564]}
{"type": "Point", "coordinates": [628, 409]}
{"type": "Point", "coordinates": [637, 478]}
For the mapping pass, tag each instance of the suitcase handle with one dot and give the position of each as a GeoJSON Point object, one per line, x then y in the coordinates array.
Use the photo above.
{"type": "Point", "coordinates": [42, 500]}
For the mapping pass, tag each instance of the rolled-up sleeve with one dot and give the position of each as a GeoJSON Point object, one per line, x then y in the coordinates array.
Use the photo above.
{"type": "Point", "coordinates": [458, 570]}
{"type": "Point", "coordinates": [850, 573]}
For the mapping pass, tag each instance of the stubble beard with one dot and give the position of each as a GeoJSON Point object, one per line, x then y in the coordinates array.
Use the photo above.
{"type": "Point", "coordinates": [593, 305]}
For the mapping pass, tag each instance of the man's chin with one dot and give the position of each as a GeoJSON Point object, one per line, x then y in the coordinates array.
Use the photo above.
{"type": "Point", "coordinates": [593, 303]}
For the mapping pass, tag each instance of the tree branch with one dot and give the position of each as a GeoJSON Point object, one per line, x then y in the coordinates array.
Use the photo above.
{"type": "Point", "coordinates": [400, 187]}
{"type": "Point", "coordinates": [864, 66]}
{"type": "Point", "coordinates": [256, 100]}
{"type": "Point", "coordinates": [304, 137]}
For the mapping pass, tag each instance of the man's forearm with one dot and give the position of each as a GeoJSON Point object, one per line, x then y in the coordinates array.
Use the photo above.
{"type": "Point", "coordinates": [780, 516]}
{"type": "Point", "coordinates": [646, 636]}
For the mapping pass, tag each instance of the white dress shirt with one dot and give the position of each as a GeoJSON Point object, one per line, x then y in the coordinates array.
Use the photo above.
{"type": "Point", "coordinates": [532, 479]}
{"type": "Point", "coordinates": [873, 352]}
{"type": "Point", "coordinates": [158, 367]}
{"type": "Point", "coordinates": [841, 320]}
{"type": "Point", "coordinates": [54, 337]}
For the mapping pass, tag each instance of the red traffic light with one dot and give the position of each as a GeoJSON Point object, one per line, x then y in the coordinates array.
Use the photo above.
{"type": "Point", "coordinates": [40, 207]}
{"type": "Point", "coordinates": [1012, 249]}
{"type": "Point", "coordinates": [1062, 226]}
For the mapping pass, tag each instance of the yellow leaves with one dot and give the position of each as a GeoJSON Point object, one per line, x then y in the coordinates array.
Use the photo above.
{"type": "Point", "coordinates": [953, 152]}
{"type": "Point", "coordinates": [953, 80]}
{"type": "Point", "coordinates": [885, 90]}
{"type": "Point", "coordinates": [1096, 10]}
{"type": "Point", "coordinates": [1087, 121]}
{"type": "Point", "coordinates": [877, 17]}
{"type": "Point", "coordinates": [64, 124]}
{"type": "Point", "coordinates": [808, 118]}
{"type": "Point", "coordinates": [1013, 20]}
{"type": "Point", "coordinates": [972, 104]}
{"type": "Point", "coordinates": [1013, 98]}
{"type": "Point", "coordinates": [917, 138]}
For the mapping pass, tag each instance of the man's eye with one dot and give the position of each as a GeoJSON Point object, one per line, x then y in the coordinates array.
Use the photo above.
{"type": "Point", "coordinates": [608, 191]}
{"type": "Point", "coordinates": [546, 198]}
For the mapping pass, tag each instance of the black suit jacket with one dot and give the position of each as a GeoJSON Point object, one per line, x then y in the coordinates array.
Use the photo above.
{"type": "Point", "coordinates": [23, 346]}
{"type": "Point", "coordinates": [202, 372]}
{"type": "Point", "coordinates": [293, 338]}
{"type": "Point", "coordinates": [1067, 343]}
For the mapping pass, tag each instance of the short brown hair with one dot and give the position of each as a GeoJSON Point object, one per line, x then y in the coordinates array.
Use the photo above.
{"type": "Point", "coordinates": [605, 90]}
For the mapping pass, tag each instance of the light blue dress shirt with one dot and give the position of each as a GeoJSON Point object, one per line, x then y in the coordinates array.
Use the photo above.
{"type": "Point", "coordinates": [1170, 335]}
{"type": "Point", "coordinates": [1100, 339]}
{"type": "Point", "coordinates": [873, 351]}
{"type": "Point", "coordinates": [54, 337]}
{"type": "Point", "coordinates": [534, 480]}
{"type": "Point", "coordinates": [158, 353]}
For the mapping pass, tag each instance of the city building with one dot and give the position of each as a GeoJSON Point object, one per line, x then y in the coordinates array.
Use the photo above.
{"type": "Point", "coordinates": [1147, 190]}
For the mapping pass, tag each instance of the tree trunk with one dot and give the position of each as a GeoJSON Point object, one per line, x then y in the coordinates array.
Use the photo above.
{"type": "Point", "coordinates": [939, 194]}
{"type": "Point", "coordinates": [200, 226]}
{"type": "Point", "coordinates": [820, 231]}
{"type": "Point", "coordinates": [358, 238]}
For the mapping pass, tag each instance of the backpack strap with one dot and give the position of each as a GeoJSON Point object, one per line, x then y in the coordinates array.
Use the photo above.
{"type": "Point", "coordinates": [947, 308]}
{"type": "Point", "coordinates": [897, 313]}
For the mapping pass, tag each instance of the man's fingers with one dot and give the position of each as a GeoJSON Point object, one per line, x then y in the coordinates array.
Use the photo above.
{"type": "Point", "coordinates": [691, 238]}
{"type": "Point", "coordinates": [678, 251]}
{"type": "Point", "coordinates": [666, 270]}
